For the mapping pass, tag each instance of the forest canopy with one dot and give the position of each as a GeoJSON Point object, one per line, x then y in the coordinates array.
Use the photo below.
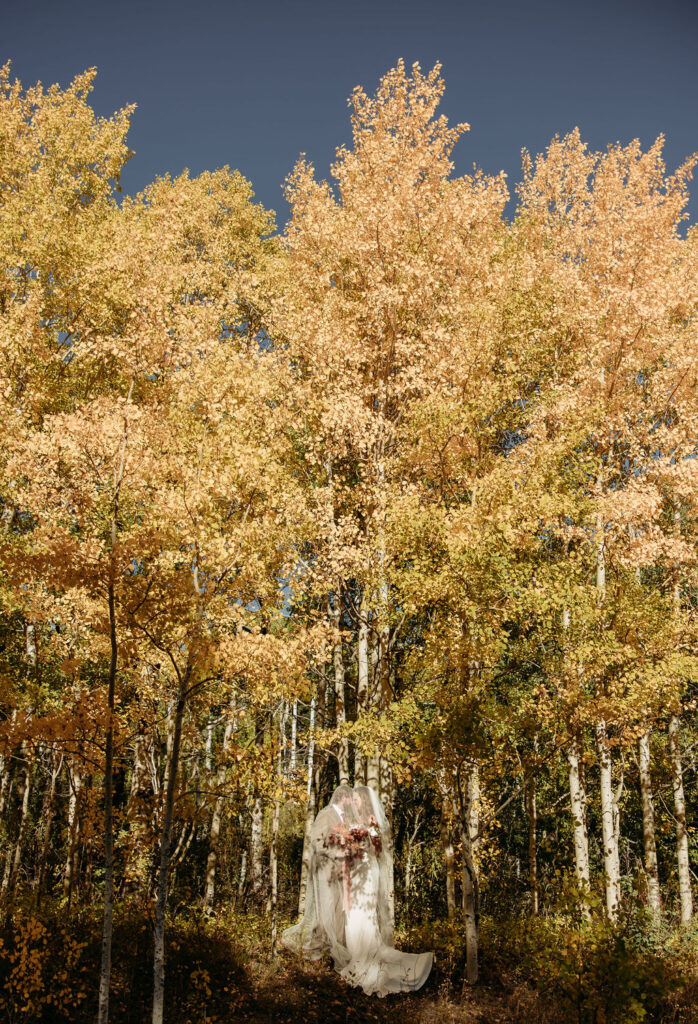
{"type": "Point", "coordinates": [404, 495]}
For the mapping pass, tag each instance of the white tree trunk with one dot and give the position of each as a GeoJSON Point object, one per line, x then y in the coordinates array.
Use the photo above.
{"type": "Point", "coordinates": [469, 815]}
{"type": "Point", "coordinates": [6, 767]}
{"type": "Point", "coordinates": [361, 692]}
{"type": "Point", "coordinates": [685, 894]}
{"type": "Point", "coordinates": [450, 863]}
{"type": "Point", "coordinates": [610, 823]}
{"type": "Point", "coordinates": [310, 811]}
{"type": "Point", "coordinates": [578, 807]}
{"type": "Point", "coordinates": [532, 812]}
{"type": "Point", "coordinates": [373, 701]}
{"type": "Point", "coordinates": [648, 832]}
{"type": "Point", "coordinates": [47, 814]}
{"type": "Point", "coordinates": [294, 737]}
{"type": "Point", "coordinates": [257, 846]}
{"type": "Point", "coordinates": [165, 847]}
{"type": "Point", "coordinates": [339, 695]}
{"type": "Point", "coordinates": [217, 815]}
{"type": "Point", "coordinates": [75, 783]}
{"type": "Point", "coordinates": [16, 858]}
{"type": "Point", "coordinates": [311, 746]}
{"type": "Point", "coordinates": [273, 855]}
{"type": "Point", "coordinates": [243, 876]}
{"type": "Point", "coordinates": [610, 815]}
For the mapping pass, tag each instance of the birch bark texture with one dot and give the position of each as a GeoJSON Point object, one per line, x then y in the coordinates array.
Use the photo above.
{"type": "Point", "coordinates": [648, 829]}
{"type": "Point", "coordinates": [682, 858]}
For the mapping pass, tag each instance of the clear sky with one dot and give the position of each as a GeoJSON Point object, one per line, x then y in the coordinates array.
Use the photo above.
{"type": "Point", "coordinates": [254, 84]}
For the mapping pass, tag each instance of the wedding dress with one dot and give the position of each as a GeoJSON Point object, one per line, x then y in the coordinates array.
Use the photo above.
{"type": "Point", "coordinates": [347, 907]}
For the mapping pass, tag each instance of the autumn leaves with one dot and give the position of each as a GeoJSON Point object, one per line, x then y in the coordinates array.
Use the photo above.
{"type": "Point", "coordinates": [426, 469]}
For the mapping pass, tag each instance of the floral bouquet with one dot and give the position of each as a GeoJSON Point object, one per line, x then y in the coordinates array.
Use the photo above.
{"type": "Point", "coordinates": [349, 838]}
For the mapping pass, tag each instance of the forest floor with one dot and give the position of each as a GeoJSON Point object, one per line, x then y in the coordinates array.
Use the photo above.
{"type": "Point", "coordinates": [295, 992]}
{"type": "Point", "coordinates": [221, 971]}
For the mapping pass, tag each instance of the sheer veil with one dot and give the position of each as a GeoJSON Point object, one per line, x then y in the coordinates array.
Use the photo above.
{"type": "Point", "coordinates": [370, 805]}
{"type": "Point", "coordinates": [348, 897]}
{"type": "Point", "coordinates": [322, 924]}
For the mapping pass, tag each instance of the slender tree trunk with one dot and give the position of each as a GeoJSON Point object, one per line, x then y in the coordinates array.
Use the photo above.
{"type": "Point", "coordinates": [283, 722]}
{"type": "Point", "coordinates": [361, 692]}
{"type": "Point", "coordinates": [216, 817]}
{"type": "Point", "coordinates": [379, 695]}
{"type": "Point", "coordinates": [310, 812]}
{"type": "Point", "coordinates": [208, 763]}
{"type": "Point", "coordinates": [471, 908]}
{"type": "Point", "coordinates": [682, 859]}
{"type": "Point", "coordinates": [48, 811]}
{"type": "Point", "coordinates": [139, 769]}
{"type": "Point", "coordinates": [88, 870]}
{"type": "Point", "coordinates": [610, 815]}
{"type": "Point", "coordinates": [387, 797]}
{"type": "Point", "coordinates": [450, 862]}
{"type": "Point", "coordinates": [609, 823]}
{"type": "Point", "coordinates": [474, 799]}
{"type": "Point", "coordinates": [105, 971]}
{"type": "Point", "coordinates": [578, 807]}
{"type": "Point", "coordinates": [339, 695]}
{"type": "Point", "coordinates": [532, 812]}
{"type": "Point", "coordinates": [257, 846]}
{"type": "Point", "coordinates": [16, 856]}
{"type": "Point", "coordinates": [685, 894]}
{"type": "Point", "coordinates": [335, 608]}
{"type": "Point", "coordinates": [75, 783]}
{"type": "Point", "coordinates": [411, 843]}
{"type": "Point", "coordinates": [648, 833]}
{"type": "Point", "coordinates": [167, 766]}
{"type": "Point", "coordinates": [6, 784]}
{"type": "Point", "coordinates": [183, 843]}
{"type": "Point", "coordinates": [242, 879]}
{"type": "Point", "coordinates": [294, 737]}
{"type": "Point", "coordinates": [7, 868]}
{"type": "Point", "coordinates": [273, 857]}
{"type": "Point", "coordinates": [8, 806]}
{"type": "Point", "coordinates": [311, 744]}
{"type": "Point", "coordinates": [142, 781]}
{"type": "Point", "coordinates": [165, 844]}
{"type": "Point", "coordinates": [467, 798]}
{"type": "Point", "coordinates": [30, 647]}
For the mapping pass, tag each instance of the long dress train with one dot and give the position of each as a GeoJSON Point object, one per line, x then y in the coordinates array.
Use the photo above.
{"type": "Point", "coordinates": [374, 966]}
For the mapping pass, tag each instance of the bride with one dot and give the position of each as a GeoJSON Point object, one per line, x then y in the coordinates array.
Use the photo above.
{"type": "Point", "coordinates": [347, 908]}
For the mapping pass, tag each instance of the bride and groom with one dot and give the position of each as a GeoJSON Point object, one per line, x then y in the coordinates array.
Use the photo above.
{"type": "Point", "coordinates": [347, 907]}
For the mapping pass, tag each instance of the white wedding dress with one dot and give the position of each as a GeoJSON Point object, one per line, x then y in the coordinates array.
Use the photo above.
{"type": "Point", "coordinates": [374, 966]}
{"type": "Point", "coordinates": [352, 920]}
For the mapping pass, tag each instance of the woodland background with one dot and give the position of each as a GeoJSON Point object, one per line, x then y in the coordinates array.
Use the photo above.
{"type": "Point", "coordinates": [406, 494]}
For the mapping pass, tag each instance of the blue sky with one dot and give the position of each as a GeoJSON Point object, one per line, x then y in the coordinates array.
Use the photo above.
{"type": "Point", "coordinates": [254, 84]}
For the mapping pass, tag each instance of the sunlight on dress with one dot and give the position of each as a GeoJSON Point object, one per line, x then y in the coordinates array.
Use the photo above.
{"type": "Point", "coordinates": [374, 966]}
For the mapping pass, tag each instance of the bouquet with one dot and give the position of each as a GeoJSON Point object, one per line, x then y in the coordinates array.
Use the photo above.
{"type": "Point", "coordinates": [349, 838]}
